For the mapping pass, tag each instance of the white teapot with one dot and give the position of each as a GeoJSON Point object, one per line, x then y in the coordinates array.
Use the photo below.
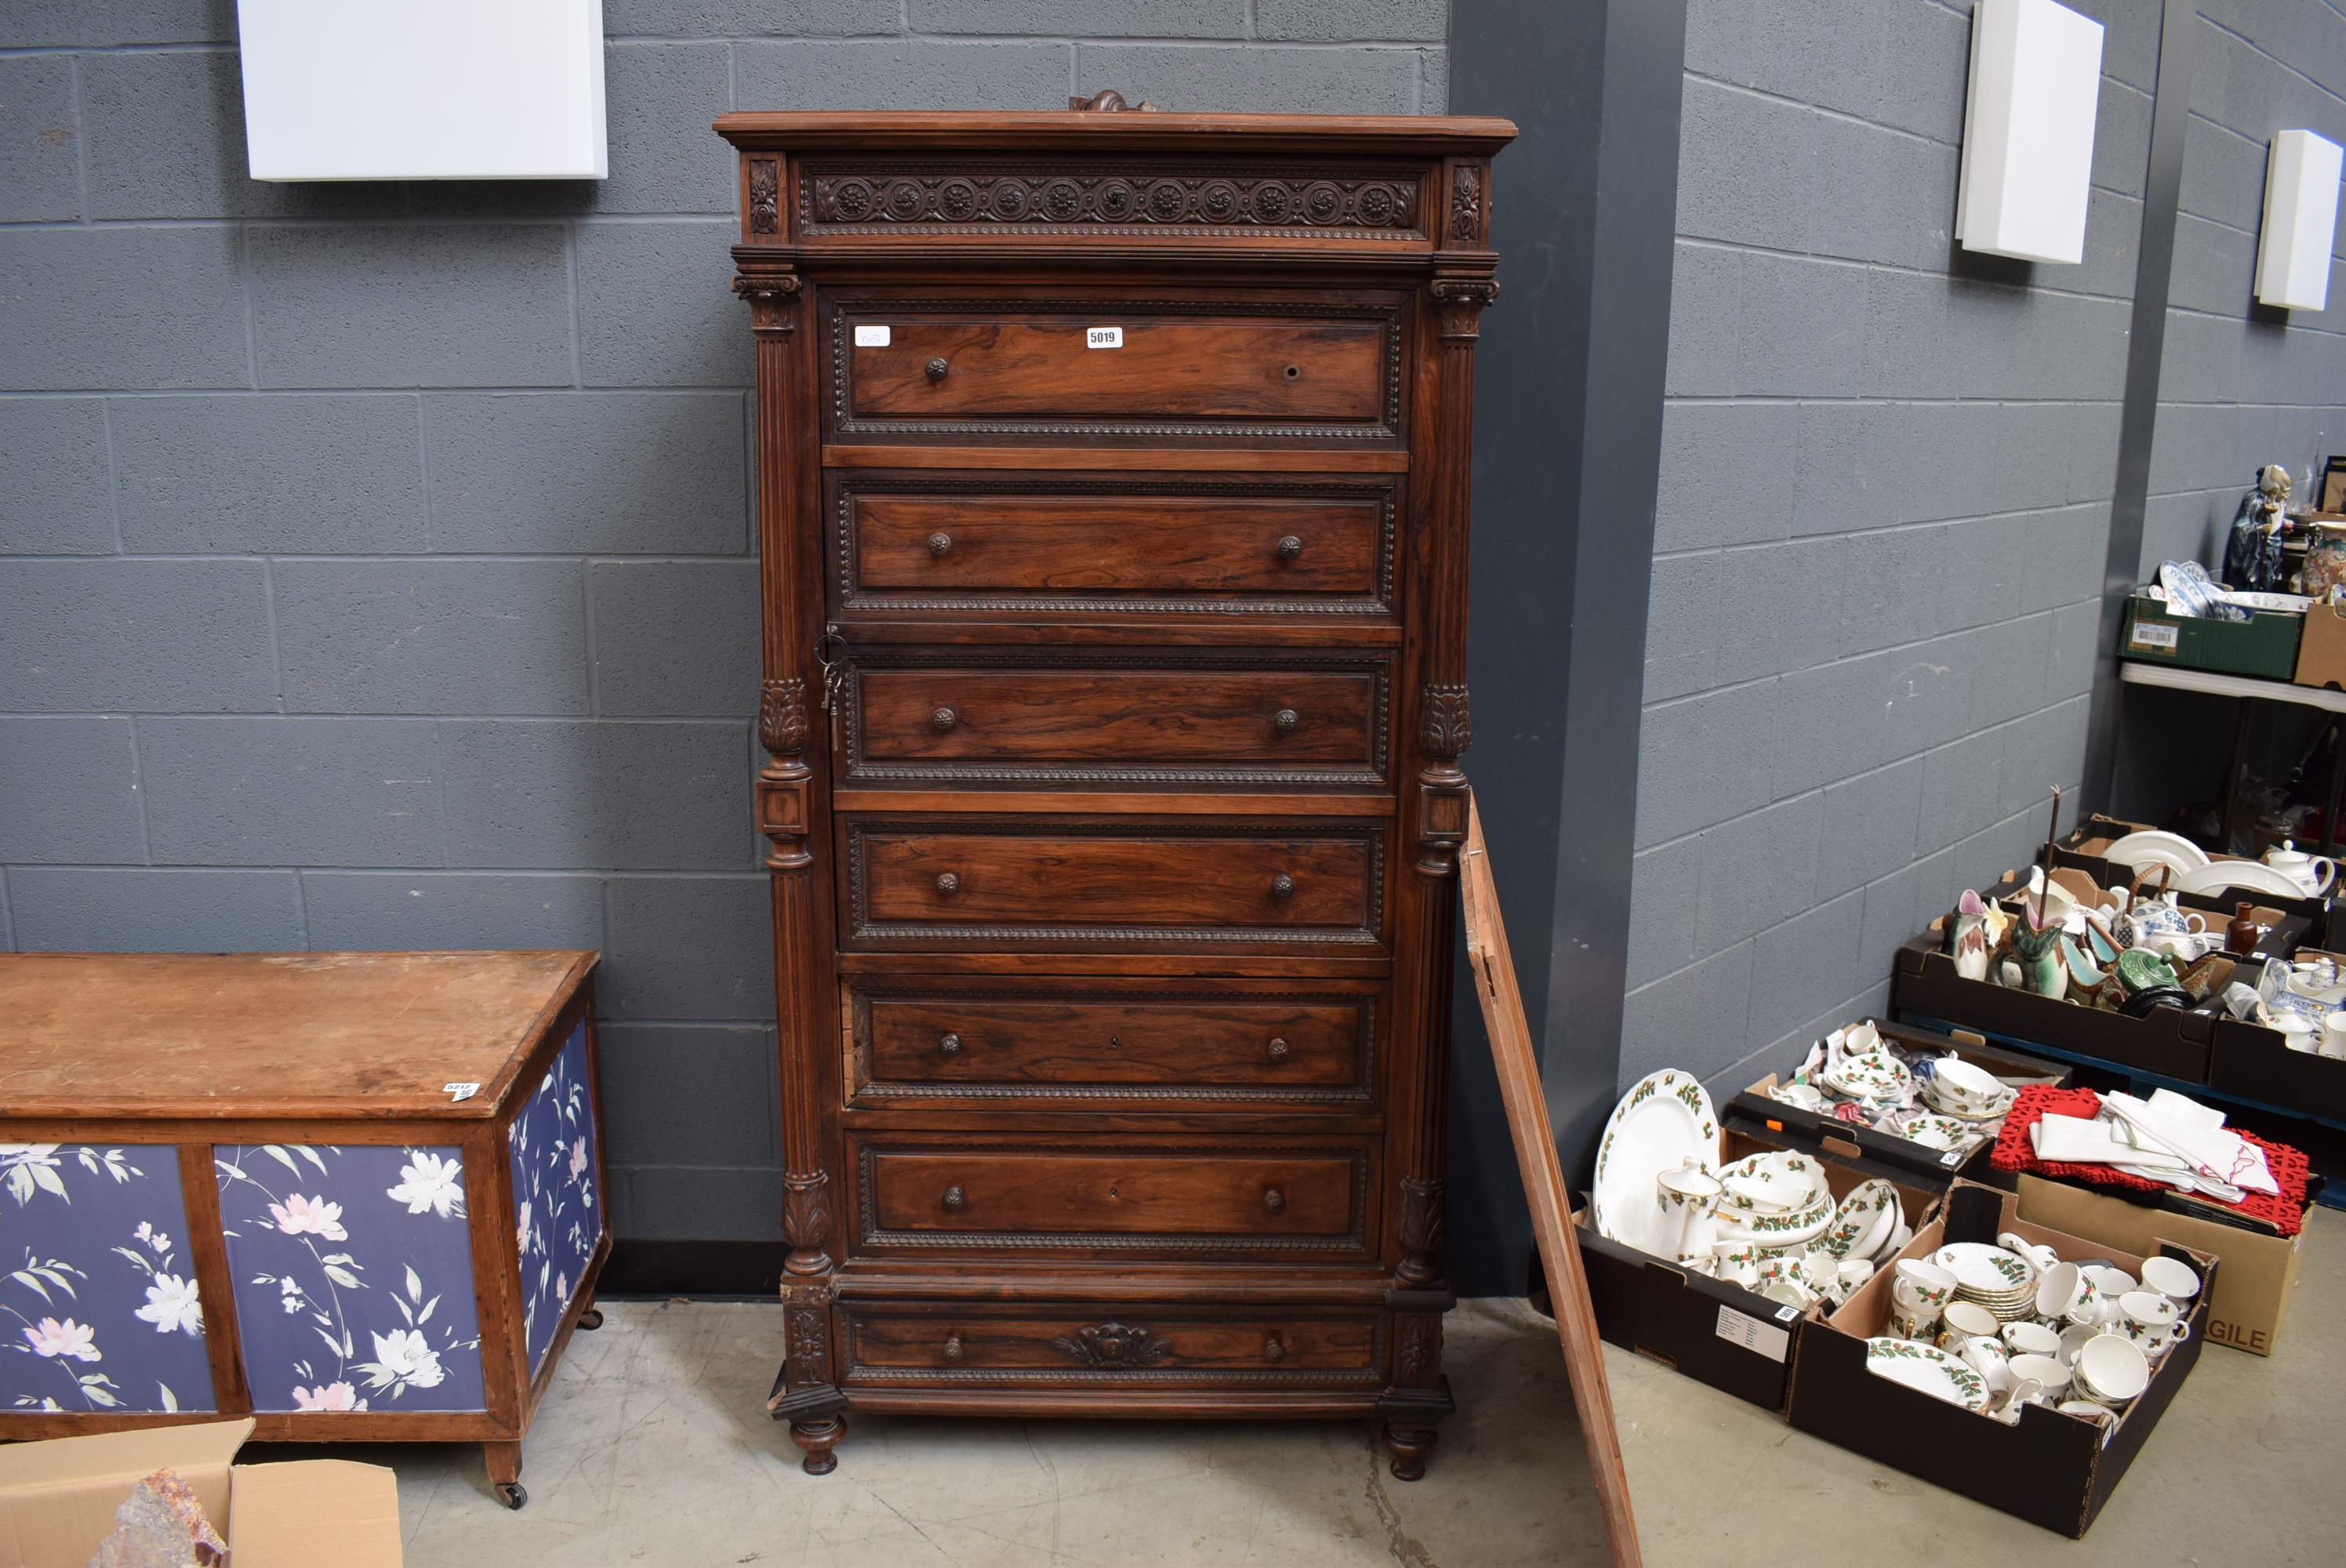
{"type": "Point", "coordinates": [2311, 872]}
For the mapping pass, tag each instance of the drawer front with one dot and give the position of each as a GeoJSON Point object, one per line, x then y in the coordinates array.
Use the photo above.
{"type": "Point", "coordinates": [1033, 544]}
{"type": "Point", "coordinates": [1061, 1040]}
{"type": "Point", "coordinates": [1214, 1198]}
{"type": "Point", "coordinates": [1046, 717]}
{"type": "Point", "coordinates": [1136, 885]}
{"type": "Point", "coordinates": [1174, 368]}
{"type": "Point", "coordinates": [1096, 1344]}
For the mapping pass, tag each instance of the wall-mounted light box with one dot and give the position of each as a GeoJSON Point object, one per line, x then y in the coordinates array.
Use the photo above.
{"type": "Point", "coordinates": [2300, 220]}
{"type": "Point", "coordinates": [423, 89]}
{"type": "Point", "coordinates": [2028, 130]}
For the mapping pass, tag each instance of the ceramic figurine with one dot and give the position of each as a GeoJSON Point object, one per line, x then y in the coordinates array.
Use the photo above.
{"type": "Point", "coordinates": [1968, 940]}
{"type": "Point", "coordinates": [2036, 958]}
{"type": "Point", "coordinates": [2253, 559]}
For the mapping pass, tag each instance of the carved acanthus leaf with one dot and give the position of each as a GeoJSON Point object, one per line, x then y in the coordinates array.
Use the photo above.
{"type": "Point", "coordinates": [1114, 1345]}
{"type": "Point", "coordinates": [782, 717]}
{"type": "Point", "coordinates": [1466, 204]}
{"type": "Point", "coordinates": [765, 195]}
{"type": "Point", "coordinates": [806, 1211]}
{"type": "Point", "coordinates": [1446, 728]}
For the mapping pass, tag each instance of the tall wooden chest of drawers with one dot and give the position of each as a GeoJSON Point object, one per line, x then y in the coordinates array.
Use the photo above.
{"type": "Point", "coordinates": [1112, 474]}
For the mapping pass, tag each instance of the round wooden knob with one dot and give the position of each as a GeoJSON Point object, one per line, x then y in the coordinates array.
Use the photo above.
{"type": "Point", "coordinates": [1274, 1200]}
{"type": "Point", "coordinates": [1272, 1350]}
{"type": "Point", "coordinates": [1285, 720]}
{"type": "Point", "coordinates": [1278, 1050]}
{"type": "Point", "coordinates": [948, 884]}
{"type": "Point", "coordinates": [939, 543]}
{"type": "Point", "coordinates": [1289, 549]}
{"type": "Point", "coordinates": [937, 370]}
{"type": "Point", "coordinates": [954, 1199]}
{"type": "Point", "coordinates": [943, 720]}
{"type": "Point", "coordinates": [953, 1347]}
{"type": "Point", "coordinates": [1282, 886]}
{"type": "Point", "coordinates": [949, 1046]}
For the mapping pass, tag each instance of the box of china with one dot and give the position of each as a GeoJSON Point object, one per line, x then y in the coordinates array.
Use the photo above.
{"type": "Point", "coordinates": [1713, 1330]}
{"type": "Point", "coordinates": [2084, 849]}
{"type": "Point", "coordinates": [2050, 1469]}
{"type": "Point", "coordinates": [1929, 1167]}
{"type": "Point", "coordinates": [2256, 1064]}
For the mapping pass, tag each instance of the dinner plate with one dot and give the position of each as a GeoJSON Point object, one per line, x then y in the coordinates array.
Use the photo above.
{"type": "Point", "coordinates": [2254, 875]}
{"type": "Point", "coordinates": [1859, 1212]}
{"type": "Point", "coordinates": [2152, 847]}
{"type": "Point", "coordinates": [1983, 1268]}
{"type": "Point", "coordinates": [1664, 1122]}
{"type": "Point", "coordinates": [1926, 1371]}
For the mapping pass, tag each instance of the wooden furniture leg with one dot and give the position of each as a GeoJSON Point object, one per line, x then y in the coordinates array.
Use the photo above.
{"type": "Point", "coordinates": [504, 1472]}
{"type": "Point", "coordinates": [818, 1438]}
{"type": "Point", "coordinates": [1409, 1446]}
{"type": "Point", "coordinates": [1535, 1139]}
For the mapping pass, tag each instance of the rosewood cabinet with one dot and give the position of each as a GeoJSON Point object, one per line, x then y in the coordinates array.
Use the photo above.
{"type": "Point", "coordinates": [1112, 476]}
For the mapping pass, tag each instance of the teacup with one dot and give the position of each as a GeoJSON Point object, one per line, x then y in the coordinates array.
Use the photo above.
{"type": "Point", "coordinates": [2023, 1338]}
{"type": "Point", "coordinates": [1922, 1284]}
{"type": "Point", "coordinates": [1851, 1274]}
{"type": "Point", "coordinates": [2333, 1035]}
{"type": "Point", "coordinates": [2058, 1288]}
{"type": "Point", "coordinates": [2171, 1278]}
{"type": "Point", "coordinates": [2101, 1416]}
{"type": "Point", "coordinates": [2151, 1321]}
{"type": "Point", "coordinates": [1985, 1355]}
{"type": "Point", "coordinates": [2050, 1376]}
{"type": "Point", "coordinates": [2110, 1369]}
{"type": "Point", "coordinates": [1963, 1322]}
{"type": "Point", "coordinates": [2037, 1253]}
{"type": "Point", "coordinates": [1920, 1326]}
{"type": "Point", "coordinates": [2109, 1279]}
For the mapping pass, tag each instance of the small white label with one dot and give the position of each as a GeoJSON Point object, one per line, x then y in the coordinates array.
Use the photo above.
{"type": "Point", "coordinates": [1102, 337]}
{"type": "Point", "coordinates": [460, 1092]}
{"type": "Point", "coordinates": [1741, 1329]}
{"type": "Point", "coordinates": [1951, 1158]}
{"type": "Point", "coordinates": [871, 337]}
{"type": "Point", "coordinates": [2147, 636]}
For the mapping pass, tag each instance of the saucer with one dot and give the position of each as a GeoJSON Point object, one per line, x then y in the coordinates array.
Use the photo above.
{"type": "Point", "coordinates": [1927, 1370]}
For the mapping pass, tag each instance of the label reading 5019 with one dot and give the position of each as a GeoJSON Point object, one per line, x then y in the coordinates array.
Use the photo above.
{"type": "Point", "coordinates": [1102, 337]}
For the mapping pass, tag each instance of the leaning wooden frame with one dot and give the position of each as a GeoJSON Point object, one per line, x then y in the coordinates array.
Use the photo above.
{"type": "Point", "coordinates": [1543, 1188]}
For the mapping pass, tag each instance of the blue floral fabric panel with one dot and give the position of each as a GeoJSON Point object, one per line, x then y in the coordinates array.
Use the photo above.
{"type": "Point", "coordinates": [353, 1276]}
{"type": "Point", "coordinates": [97, 1289]}
{"type": "Point", "coordinates": [557, 1213]}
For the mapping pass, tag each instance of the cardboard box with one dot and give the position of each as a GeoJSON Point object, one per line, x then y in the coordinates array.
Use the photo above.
{"type": "Point", "coordinates": [2085, 849]}
{"type": "Point", "coordinates": [1718, 1333]}
{"type": "Point", "coordinates": [2170, 1042]}
{"type": "Point", "coordinates": [2322, 652]}
{"type": "Point", "coordinates": [2049, 1469]}
{"type": "Point", "coordinates": [2264, 645]}
{"type": "Point", "coordinates": [1927, 1167]}
{"type": "Point", "coordinates": [2252, 1062]}
{"type": "Point", "coordinates": [2260, 1272]}
{"type": "Point", "coordinates": [57, 1499]}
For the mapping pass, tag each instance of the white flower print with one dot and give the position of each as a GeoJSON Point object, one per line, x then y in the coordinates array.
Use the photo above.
{"type": "Point", "coordinates": [579, 1159]}
{"type": "Point", "coordinates": [328, 1397]}
{"type": "Point", "coordinates": [316, 1216]}
{"type": "Point", "coordinates": [430, 1181]}
{"type": "Point", "coordinates": [521, 1231]}
{"type": "Point", "coordinates": [51, 1337]}
{"type": "Point", "coordinates": [31, 1168]}
{"type": "Point", "coordinates": [402, 1360]}
{"type": "Point", "coordinates": [171, 1304]}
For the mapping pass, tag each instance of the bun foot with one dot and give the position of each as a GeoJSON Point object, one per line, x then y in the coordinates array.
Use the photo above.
{"type": "Point", "coordinates": [1410, 1447]}
{"type": "Point", "coordinates": [818, 1438]}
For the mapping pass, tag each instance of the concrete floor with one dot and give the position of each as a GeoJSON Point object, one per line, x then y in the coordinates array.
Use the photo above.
{"type": "Point", "coordinates": [652, 1448]}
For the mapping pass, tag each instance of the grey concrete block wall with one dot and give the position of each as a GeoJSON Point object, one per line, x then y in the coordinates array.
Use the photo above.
{"type": "Point", "coordinates": [376, 562]}
{"type": "Point", "coordinates": [1882, 516]}
{"type": "Point", "coordinates": [2243, 385]}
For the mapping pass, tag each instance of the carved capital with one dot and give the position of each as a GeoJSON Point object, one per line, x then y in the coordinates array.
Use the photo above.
{"type": "Point", "coordinates": [1444, 726]}
{"type": "Point", "coordinates": [771, 296]}
{"type": "Point", "coordinates": [1425, 1225]}
{"type": "Point", "coordinates": [1458, 303]}
{"type": "Point", "coordinates": [782, 717]}
{"type": "Point", "coordinates": [806, 1220]}
{"type": "Point", "coordinates": [765, 195]}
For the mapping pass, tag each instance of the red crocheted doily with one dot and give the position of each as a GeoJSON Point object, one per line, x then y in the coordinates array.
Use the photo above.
{"type": "Point", "coordinates": [2285, 1211]}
